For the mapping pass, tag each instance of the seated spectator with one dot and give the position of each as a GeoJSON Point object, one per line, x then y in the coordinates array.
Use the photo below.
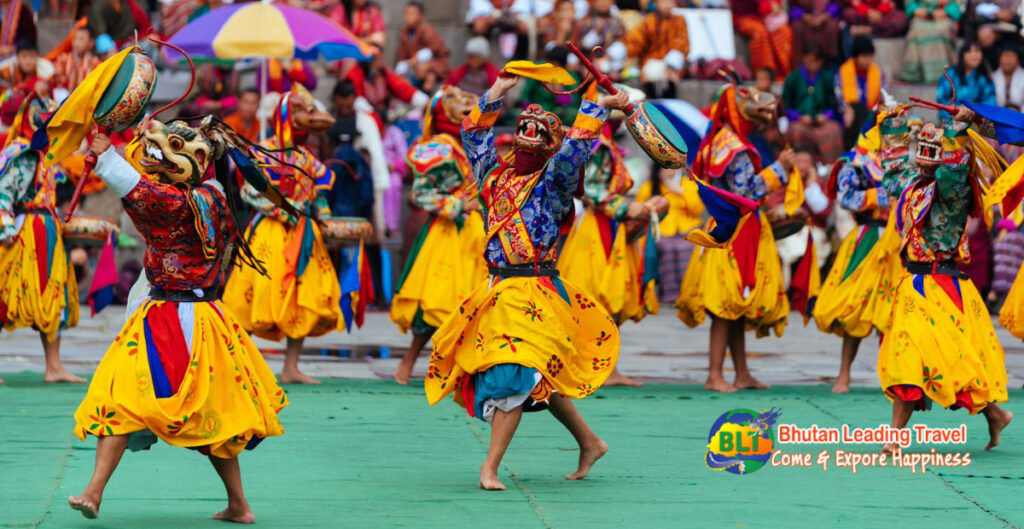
{"type": "Point", "coordinates": [27, 64]}
{"type": "Point", "coordinates": [71, 67]}
{"type": "Point", "coordinates": [113, 18]}
{"type": "Point", "coordinates": [563, 105]}
{"type": "Point", "coordinates": [768, 140]}
{"type": "Point", "coordinates": [877, 18]}
{"type": "Point", "coordinates": [859, 84]}
{"type": "Point", "coordinates": [361, 17]}
{"type": "Point", "coordinates": [600, 27]}
{"type": "Point", "coordinates": [479, 73]}
{"type": "Point", "coordinates": [511, 19]}
{"type": "Point", "coordinates": [418, 35]}
{"type": "Point", "coordinates": [557, 27]}
{"type": "Point", "coordinates": [991, 23]}
{"type": "Point", "coordinates": [18, 24]}
{"type": "Point", "coordinates": [765, 25]}
{"type": "Point", "coordinates": [380, 86]}
{"type": "Point", "coordinates": [355, 139]}
{"type": "Point", "coordinates": [660, 37]}
{"type": "Point", "coordinates": [1009, 79]}
{"type": "Point", "coordinates": [810, 99]}
{"type": "Point", "coordinates": [815, 22]}
{"type": "Point", "coordinates": [972, 79]}
{"type": "Point", "coordinates": [419, 71]}
{"type": "Point", "coordinates": [930, 39]}
{"type": "Point", "coordinates": [244, 120]}
{"type": "Point", "coordinates": [218, 86]}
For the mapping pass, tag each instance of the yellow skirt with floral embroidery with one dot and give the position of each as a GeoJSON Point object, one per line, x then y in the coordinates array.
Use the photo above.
{"type": "Point", "coordinates": [227, 400]}
{"type": "Point", "coordinates": [713, 284]}
{"type": "Point", "coordinates": [1011, 315]}
{"type": "Point", "coordinates": [25, 301]}
{"type": "Point", "coordinates": [612, 278]}
{"type": "Point", "coordinates": [952, 356]}
{"type": "Point", "coordinates": [278, 305]}
{"type": "Point", "coordinates": [852, 305]}
{"type": "Point", "coordinates": [544, 323]}
{"type": "Point", "coordinates": [444, 265]}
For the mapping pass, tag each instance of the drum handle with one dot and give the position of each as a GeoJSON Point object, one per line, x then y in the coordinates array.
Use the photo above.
{"type": "Point", "coordinates": [90, 164]}
{"type": "Point", "coordinates": [602, 80]}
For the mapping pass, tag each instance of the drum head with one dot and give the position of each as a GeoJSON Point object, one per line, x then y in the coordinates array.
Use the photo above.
{"type": "Point", "coordinates": [124, 101]}
{"type": "Point", "coordinates": [665, 127]}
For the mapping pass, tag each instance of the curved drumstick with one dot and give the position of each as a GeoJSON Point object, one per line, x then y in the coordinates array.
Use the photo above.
{"type": "Point", "coordinates": [191, 82]}
{"type": "Point", "coordinates": [602, 80]}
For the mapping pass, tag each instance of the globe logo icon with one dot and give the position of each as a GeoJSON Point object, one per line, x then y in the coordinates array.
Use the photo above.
{"type": "Point", "coordinates": [741, 440]}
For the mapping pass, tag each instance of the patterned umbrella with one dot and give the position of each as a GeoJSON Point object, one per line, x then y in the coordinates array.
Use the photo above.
{"type": "Point", "coordinates": [262, 29]}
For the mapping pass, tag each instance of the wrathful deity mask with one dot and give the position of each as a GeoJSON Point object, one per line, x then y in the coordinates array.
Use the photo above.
{"type": "Point", "coordinates": [175, 151]}
{"type": "Point", "coordinates": [538, 131]}
{"type": "Point", "coordinates": [929, 147]}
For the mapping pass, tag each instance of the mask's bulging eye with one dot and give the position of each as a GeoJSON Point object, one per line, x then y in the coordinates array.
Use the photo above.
{"type": "Point", "coordinates": [176, 143]}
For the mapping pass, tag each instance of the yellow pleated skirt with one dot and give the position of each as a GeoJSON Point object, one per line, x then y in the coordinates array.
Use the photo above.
{"type": "Point", "coordinates": [614, 278]}
{"type": "Point", "coordinates": [227, 400]}
{"type": "Point", "coordinates": [1011, 315]}
{"type": "Point", "coordinates": [713, 284]}
{"type": "Point", "coordinates": [548, 324]}
{"type": "Point", "coordinates": [25, 301]}
{"type": "Point", "coordinates": [278, 305]}
{"type": "Point", "coordinates": [853, 305]}
{"type": "Point", "coordinates": [444, 265]}
{"type": "Point", "coordinates": [952, 356]}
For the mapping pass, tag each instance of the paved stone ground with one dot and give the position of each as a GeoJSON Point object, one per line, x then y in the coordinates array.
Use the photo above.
{"type": "Point", "coordinates": [658, 349]}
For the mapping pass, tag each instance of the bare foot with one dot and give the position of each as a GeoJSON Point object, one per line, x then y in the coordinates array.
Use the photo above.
{"type": "Point", "coordinates": [85, 504]}
{"type": "Point", "coordinates": [618, 379]}
{"type": "Point", "coordinates": [404, 372]}
{"type": "Point", "coordinates": [62, 375]}
{"type": "Point", "coordinates": [889, 448]}
{"type": "Point", "coordinates": [720, 385]}
{"type": "Point", "coordinates": [749, 382]}
{"type": "Point", "coordinates": [588, 456]}
{"type": "Point", "coordinates": [297, 377]}
{"type": "Point", "coordinates": [842, 384]}
{"type": "Point", "coordinates": [996, 425]}
{"type": "Point", "coordinates": [235, 515]}
{"type": "Point", "coordinates": [489, 479]}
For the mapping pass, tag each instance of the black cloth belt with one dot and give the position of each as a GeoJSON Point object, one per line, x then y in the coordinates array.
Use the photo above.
{"type": "Point", "coordinates": [545, 269]}
{"type": "Point", "coordinates": [875, 222]}
{"type": "Point", "coordinates": [184, 296]}
{"type": "Point", "coordinates": [945, 268]}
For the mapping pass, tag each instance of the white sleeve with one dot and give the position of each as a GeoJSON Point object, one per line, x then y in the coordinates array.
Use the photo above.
{"type": "Point", "coordinates": [369, 139]}
{"type": "Point", "coordinates": [117, 173]}
{"type": "Point", "coordinates": [815, 198]}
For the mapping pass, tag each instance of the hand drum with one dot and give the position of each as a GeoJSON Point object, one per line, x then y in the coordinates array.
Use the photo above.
{"type": "Point", "coordinates": [122, 105]}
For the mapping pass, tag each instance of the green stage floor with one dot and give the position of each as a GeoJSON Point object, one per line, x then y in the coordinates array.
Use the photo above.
{"type": "Point", "coordinates": [370, 454]}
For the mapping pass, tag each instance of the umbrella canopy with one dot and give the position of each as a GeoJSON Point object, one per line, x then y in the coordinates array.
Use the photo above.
{"type": "Point", "coordinates": [260, 29]}
{"type": "Point", "coordinates": [688, 120]}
